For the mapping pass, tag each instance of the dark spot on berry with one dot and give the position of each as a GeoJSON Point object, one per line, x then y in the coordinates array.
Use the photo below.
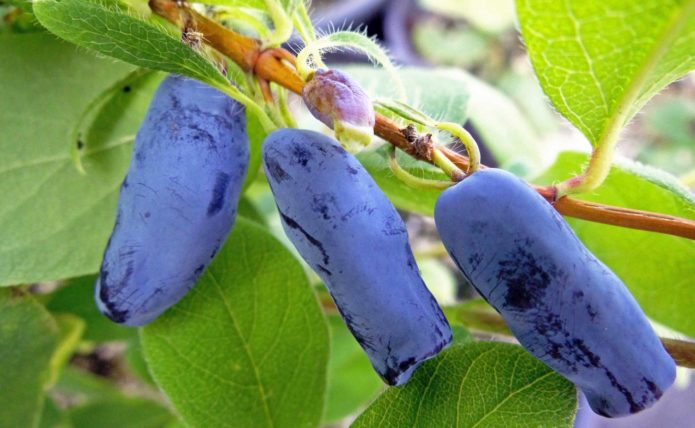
{"type": "Point", "coordinates": [291, 223]}
{"type": "Point", "coordinates": [324, 270]}
{"type": "Point", "coordinates": [199, 270]}
{"type": "Point", "coordinates": [276, 171]}
{"type": "Point", "coordinates": [591, 311]}
{"type": "Point", "coordinates": [301, 155]}
{"type": "Point", "coordinates": [525, 277]}
{"type": "Point", "coordinates": [219, 193]}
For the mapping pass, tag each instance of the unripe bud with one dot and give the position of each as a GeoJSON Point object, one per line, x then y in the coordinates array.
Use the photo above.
{"type": "Point", "coordinates": [339, 102]}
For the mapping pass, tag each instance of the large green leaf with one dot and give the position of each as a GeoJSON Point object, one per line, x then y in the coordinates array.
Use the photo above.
{"type": "Point", "coordinates": [55, 220]}
{"type": "Point", "coordinates": [28, 338]}
{"type": "Point", "coordinates": [352, 381]}
{"type": "Point", "coordinates": [477, 385]}
{"type": "Point", "coordinates": [600, 61]}
{"type": "Point", "coordinates": [658, 269]}
{"type": "Point", "coordinates": [114, 32]}
{"type": "Point", "coordinates": [248, 345]}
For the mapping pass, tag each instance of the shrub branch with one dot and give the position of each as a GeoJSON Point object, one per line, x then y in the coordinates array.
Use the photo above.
{"type": "Point", "coordinates": [275, 65]}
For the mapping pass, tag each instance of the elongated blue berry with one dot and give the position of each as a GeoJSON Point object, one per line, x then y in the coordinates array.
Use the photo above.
{"type": "Point", "coordinates": [177, 203]}
{"type": "Point", "coordinates": [563, 305]}
{"type": "Point", "coordinates": [350, 234]}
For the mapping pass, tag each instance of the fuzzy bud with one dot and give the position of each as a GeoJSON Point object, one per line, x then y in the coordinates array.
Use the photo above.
{"type": "Point", "coordinates": [338, 101]}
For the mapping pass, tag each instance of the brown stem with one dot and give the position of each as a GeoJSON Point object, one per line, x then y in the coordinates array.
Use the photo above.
{"type": "Point", "coordinates": [682, 351]}
{"type": "Point", "coordinates": [241, 49]}
{"type": "Point", "coordinates": [272, 65]}
{"type": "Point", "coordinates": [624, 217]}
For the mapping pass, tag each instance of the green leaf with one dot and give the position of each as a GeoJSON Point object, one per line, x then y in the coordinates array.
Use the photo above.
{"type": "Point", "coordinates": [352, 381]}
{"type": "Point", "coordinates": [77, 297]}
{"type": "Point", "coordinates": [22, 4]}
{"type": "Point", "coordinates": [477, 314]}
{"type": "Point", "coordinates": [248, 344]}
{"type": "Point", "coordinates": [461, 335]}
{"type": "Point", "coordinates": [53, 417]}
{"type": "Point", "coordinates": [80, 387]}
{"type": "Point", "coordinates": [439, 93]}
{"type": "Point", "coordinates": [600, 61]}
{"type": "Point", "coordinates": [515, 145]}
{"type": "Point", "coordinates": [493, 16]}
{"type": "Point", "coordinates": [38, 180]}
{"type": "Point", "coordinates": [439, 279]}
{"type": "Point", "coordinates": [407, 198]}
{"type": "Point", "coordinates": [70, 329]}
{"type": "Point", "coordinates": [248, 209]}
{"type": "Point", "coordinates": [440, 43]}
{"type": "Point", "coordinates": [116, 33]}
{"type": "Point", "coordinates": [480, 384]}
{"type": "Point", "coordinates": [256, 134]}
{"type": "Point", "coordinates": [121, 412]}
{"type": "Point", "coordinates": [29, 337]}
{"type": "Point", "coordinates": [658, 269]}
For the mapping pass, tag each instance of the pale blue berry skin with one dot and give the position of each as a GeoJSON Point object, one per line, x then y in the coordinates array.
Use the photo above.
{"type": "Point", "coordinates": [346, 229]}
{"type": "Point", "coordinates": [564, 306]}
{"type": "Point", "coordinates": [177, 203]}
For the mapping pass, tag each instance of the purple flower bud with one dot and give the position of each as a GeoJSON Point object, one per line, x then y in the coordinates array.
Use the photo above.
{"type": "Point", "coordinates": [338, 101]}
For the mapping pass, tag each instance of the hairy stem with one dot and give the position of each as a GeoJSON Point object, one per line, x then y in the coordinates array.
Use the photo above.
{"type": "Point", "coordinates": [443, 162]}
{"type": "Point", "coordinates": [411, 180]}
{"type": "Point", "coordinates": [468, 142]}
{"type": "Point", "coordinates": [271, 67]}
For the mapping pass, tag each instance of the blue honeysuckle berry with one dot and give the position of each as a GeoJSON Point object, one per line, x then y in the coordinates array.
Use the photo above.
{"type": "Point", "coordinates": [177, 203]}
{"type": "Point", "coordinates": [350, 234]}
{"type": "Point", "coordinates": [563, 305]}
